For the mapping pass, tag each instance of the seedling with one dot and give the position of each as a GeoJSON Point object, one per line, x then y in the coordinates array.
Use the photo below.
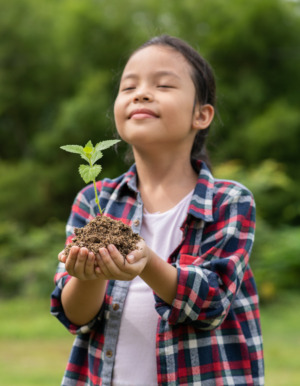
{"type": "Point", "coordinates": [91, 154]}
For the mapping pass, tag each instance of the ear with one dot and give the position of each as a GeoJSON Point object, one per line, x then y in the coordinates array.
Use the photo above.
{"type": "Point", "coordinates": [203, 116]}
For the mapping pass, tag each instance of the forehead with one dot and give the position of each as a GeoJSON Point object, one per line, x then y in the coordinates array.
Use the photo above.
{"type": "Point", "coordinates": [157, 58]}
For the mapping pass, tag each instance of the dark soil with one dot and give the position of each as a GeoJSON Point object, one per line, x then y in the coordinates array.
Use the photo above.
{"type": "Point", "coordinates": [101, 232]}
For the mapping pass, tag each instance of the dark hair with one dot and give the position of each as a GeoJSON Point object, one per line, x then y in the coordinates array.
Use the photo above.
{"type": "Point", "coordinates": [203, 79]}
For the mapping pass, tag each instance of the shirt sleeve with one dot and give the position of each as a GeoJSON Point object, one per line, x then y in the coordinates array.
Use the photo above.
{"type": "Point", "coordinates": [209, 282]}
{"type": "Point", "coordinates": [81, 214]}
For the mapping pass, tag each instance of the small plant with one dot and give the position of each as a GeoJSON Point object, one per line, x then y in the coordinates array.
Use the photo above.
{"type": "Point", "coordinates": [91, 154]}
{"type": "Point", "coordinates": [101, 231]}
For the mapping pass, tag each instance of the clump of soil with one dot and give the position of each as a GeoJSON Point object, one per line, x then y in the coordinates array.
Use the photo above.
{"type": "Point", "coordinates": [101, 232]}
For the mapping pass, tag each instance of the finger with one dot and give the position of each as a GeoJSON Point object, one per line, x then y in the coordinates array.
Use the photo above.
{"type": "Point", "coordinates": [104, 261]}
{"type": "Point", "coordinates": [137, 254]}
{"type": "Point", "coordinates": [62, 257]}
{"type": "Point", "coordinates": [98, 271]}
{"type": "Point", "coordinates": [116, 256]}
{"type": "Point", "coordinates": [90, 265]}
{"type": "Point", "coordinates": [80, 263]}
{"type": "Point", "coordinates": [131, 258]}
{"type": "Point", "coordinates": [71, 260]}
{"type": "Point", "coordinates": [109, 267]}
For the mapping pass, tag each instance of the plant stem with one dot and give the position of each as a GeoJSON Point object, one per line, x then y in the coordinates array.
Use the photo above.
{"type": "Point", "coordinates": [96, 197]}
{"type": "Point", "coordinates": [95, 189]}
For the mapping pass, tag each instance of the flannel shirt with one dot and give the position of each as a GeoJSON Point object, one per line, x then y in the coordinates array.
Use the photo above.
{"type": "Point", "coordinates": [211, 333]}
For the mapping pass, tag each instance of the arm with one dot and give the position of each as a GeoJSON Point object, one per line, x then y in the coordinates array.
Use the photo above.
{"type": "Point", "coordinates": [72, 293]}
{"type": "Point", "coordinates": [208, 281]}
{"type": "Point", "coordinates": [80, 284]}
{"type": "Point", "coordinates": [161, 277]}
{"type": "Point", "coordinates": [83, 295]}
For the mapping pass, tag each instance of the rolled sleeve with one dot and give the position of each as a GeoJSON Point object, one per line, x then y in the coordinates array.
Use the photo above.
{"type": "Point", "coordinates": [207, 283]}
{"type": "Point", "coordinates": [58, 311]}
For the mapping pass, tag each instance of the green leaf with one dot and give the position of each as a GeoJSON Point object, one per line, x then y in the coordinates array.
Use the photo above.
{"type": "Point", "coordinates": [88, 147]}
{"type": "Point", "coordinates": [96, 156]}
{"type": "Point", "coordinates": [89, 144]}
{"type": "Point", "coordinates": [77, 149]}
{"type": "Point", "coordinates": [73, 149]}
{"type": "Point", "coordinates": [89, 173]}
{"type": "Point", "coordinates": [85, 157]}
{"type": "Point", "coordinates": [106, 144]}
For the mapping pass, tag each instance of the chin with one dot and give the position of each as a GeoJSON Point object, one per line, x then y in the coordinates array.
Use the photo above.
{"type": "Point", "coordinates": [137, 138]}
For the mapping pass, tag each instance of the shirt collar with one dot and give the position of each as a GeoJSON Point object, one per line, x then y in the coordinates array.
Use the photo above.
{"type": "Point", "coordinates": [201, 205]}
{"type": "Point", "coordinates": [129, 181]}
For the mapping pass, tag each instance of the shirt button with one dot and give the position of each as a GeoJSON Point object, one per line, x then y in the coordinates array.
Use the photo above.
{"type": "Point", "coordinates": [136, 222]}
{"type": "Point", "coordinates": [84, 329]}
{"type": "Point", "coordinates": [115, 306]}
{"type": "Point", "coordinates": [109, 353]}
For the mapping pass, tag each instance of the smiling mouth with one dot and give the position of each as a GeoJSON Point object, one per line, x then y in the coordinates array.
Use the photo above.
{"type": "Point", "coordinates": [142, 114]}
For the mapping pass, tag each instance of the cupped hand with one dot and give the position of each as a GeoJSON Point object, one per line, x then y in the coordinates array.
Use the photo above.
{"type": "Point", "coordinates": [114, 267]}
{"type": "Point", "coordinates": [80, 263]}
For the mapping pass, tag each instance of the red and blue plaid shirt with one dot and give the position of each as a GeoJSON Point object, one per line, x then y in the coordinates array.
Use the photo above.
{"type": "Point", "coordinates": [211, 334]}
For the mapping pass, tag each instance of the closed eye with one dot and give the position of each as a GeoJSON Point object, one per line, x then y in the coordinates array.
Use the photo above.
{"type": "Point", "coordinates": [165, 86]}
{"type": "Point", "coordinates": [128, 88]}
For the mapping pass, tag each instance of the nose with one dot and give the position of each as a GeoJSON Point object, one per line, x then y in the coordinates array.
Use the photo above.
{"type": "Point", "coordinates": [142, 95]}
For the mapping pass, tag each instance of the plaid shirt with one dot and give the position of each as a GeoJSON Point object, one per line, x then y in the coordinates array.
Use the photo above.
{"type": "Point", "coordinates": [211, 333]}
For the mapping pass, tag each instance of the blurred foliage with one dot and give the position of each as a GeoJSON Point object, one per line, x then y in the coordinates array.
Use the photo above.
{"type": "Point", "coordinates": [60, 61]}
{"type": "Point", "coordinates": [275, 256]}
{"type": "Point", "coordinates": [28, 258]}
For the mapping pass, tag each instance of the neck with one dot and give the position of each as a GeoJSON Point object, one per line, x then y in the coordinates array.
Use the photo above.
{"type": "Point", "coordinates": [164, 180]}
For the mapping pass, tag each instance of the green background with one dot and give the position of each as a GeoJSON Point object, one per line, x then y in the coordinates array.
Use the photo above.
{"type": "Point", "coordinates": [60, 61]}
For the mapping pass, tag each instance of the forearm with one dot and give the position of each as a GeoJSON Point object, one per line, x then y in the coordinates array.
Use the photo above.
{"type": "Point", "coordinates": [161, 277]}
{"type": "Point", "coordinates": [82, 300]}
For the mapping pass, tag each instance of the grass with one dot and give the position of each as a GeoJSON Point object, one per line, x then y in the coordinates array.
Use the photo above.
{"type": "Point", "coordinates": [281, 334]}
{"type": "Point", "coordinates": [35, 347]}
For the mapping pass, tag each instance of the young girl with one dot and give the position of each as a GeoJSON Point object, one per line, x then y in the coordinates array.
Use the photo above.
{"type": "Point", "coordinates": [183, 308]}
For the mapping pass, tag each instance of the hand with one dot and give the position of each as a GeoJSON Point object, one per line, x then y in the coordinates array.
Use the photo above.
{"type": "Point", "coordinates": [113, 266]}
{"type": "Point", "coordinates": [80, 263]}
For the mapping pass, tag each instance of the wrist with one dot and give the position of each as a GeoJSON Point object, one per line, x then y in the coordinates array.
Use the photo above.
{"type": "Point", "coordinates": [88, 283]}
{"type": "Point", "coordinates": [149, 256]}
{"type": "Point", "coordinates": [161, 277]}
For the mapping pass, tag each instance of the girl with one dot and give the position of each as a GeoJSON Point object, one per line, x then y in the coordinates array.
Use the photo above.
{"type": "Point", "coordinates": [183, 308]}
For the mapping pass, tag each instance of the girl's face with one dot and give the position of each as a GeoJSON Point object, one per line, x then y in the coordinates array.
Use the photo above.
{"type": "Point", "coordinates": [155, 102]}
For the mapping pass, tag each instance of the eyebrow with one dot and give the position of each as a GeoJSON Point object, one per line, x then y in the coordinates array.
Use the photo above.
{"type": "Point", "coordinates": [156, 74]}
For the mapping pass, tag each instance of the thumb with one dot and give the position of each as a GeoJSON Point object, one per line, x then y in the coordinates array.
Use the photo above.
{"type": "Point", "coordinates": [131, 258]}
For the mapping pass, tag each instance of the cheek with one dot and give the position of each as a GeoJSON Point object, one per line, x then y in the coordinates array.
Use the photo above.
{"type": "Point", "coordinates": [120, 117]}
{"type": "Point", "coordinates": [117, 112]}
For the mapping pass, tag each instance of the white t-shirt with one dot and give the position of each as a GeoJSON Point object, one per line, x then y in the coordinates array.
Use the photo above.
{"type": "Point", "coordinates": [135, 362]}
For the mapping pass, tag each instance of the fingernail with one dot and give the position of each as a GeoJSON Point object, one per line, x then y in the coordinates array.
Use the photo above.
{"type": "Point", "coordinates": [111, 248]}
{"type": "Point", "coordinates": [130, 258]}
{"type": "Point", "coordinates": [102, 251]}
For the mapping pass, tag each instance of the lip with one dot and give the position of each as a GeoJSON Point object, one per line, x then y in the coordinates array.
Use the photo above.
{"type": "Point", "coordinates": [142, 114]}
